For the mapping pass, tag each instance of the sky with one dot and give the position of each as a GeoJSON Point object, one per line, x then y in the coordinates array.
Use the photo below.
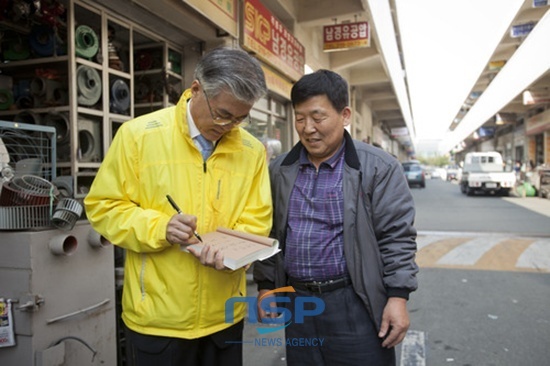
{"type": "Point", "coordinates": [446, 45]}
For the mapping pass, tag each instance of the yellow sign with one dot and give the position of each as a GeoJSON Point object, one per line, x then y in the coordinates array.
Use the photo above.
{"type": "Point", "coordinates": [227, 6]}
{"type": "Point", "coordinates": [497, 65]}
{"type": "Point", "coordinates": [276, 83]}
{"type": "Point", "coordinates": [223, 13]}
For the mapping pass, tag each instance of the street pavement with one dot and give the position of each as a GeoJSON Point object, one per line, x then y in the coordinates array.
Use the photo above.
{"type": "Point", "coordinates": [535, 204]}
{"type": "Point", "coordinates": [264, 350]}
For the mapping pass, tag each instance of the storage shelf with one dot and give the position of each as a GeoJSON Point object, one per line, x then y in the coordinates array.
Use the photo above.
{"type": "Point", "coordinates": [174, 75]}
{"type": "Point", "coordinates": [92, 128]}
{"type": "Point", "coordinates": [157, 72]}
{"type": "Point", "coordinates": [34, 61]}
{"type": "Point", "coordinates": [119, 117]}
{"type": "Point", "coordinates": [87, 165]}
{"type": "Point", "coordinates": [83, 61]}
{"type": "Point", "coordinates": [119, 73]}
{"type": "Point", "coordinates": [90, 111]}
{"type": "Point", "coordinates": [13, 112]}
{"type": "Point", "coordinates": [148, 105]}
{"type": "Point", "coordinates": [148, 72]}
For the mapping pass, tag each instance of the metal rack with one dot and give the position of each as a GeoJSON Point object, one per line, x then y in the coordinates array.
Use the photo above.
{"type": "Point", "coordinates": [27, 149]}
{"type": "Point", "coordinates": [27, 164]}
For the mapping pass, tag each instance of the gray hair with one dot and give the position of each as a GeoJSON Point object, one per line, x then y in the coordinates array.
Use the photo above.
{"type": "Point", "coordinates": [232, 70]}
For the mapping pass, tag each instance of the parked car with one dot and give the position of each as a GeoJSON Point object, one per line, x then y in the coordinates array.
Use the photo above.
{"type": "Point", "coordinates": [453, 172]}
{"type": "Point", "coordinates": [414, 173]}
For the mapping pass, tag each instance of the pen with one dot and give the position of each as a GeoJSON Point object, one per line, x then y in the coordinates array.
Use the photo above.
{"type": "Point", "coordinates": [176, 207]}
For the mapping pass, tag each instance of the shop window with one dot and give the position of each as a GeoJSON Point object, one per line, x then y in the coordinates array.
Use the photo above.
{"type": "Point", "coordinates": [259, 124]}
{"type": "Point", "coordinates": [270, 121]}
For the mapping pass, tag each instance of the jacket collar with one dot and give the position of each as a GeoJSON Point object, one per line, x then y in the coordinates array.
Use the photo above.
{"type": "Point", "coordinates": [350, 153]}
{"type": "Point", "coordinates": [229, 142]}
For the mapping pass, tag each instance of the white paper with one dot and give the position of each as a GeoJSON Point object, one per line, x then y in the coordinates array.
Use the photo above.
{"type": "Point", "coordinates": [7, 335]}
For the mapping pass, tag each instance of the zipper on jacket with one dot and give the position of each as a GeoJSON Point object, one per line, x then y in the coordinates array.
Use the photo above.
{"type": "Point", "coordinates": [362, 196]}
{"type": "Point", "coordinates": [204, 166]}
{"type": "Point", "coordinates": [141, 277]}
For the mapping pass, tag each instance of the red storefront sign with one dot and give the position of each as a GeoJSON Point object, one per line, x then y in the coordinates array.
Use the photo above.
{"type": "Point", "coordinates": [345, 36]}
{"type": "Point", "coordinates": [272, 42]}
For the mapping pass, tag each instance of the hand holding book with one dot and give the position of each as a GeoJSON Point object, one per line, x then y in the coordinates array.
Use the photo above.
{"type": "Point", "coordinates": [208, 255]}
{"type": "Point", "coordinates": [238, 248]}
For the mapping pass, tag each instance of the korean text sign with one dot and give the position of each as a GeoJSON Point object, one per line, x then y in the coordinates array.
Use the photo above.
{"type": "Point", "coordinates": [345, 36]}
{"type": "Point", "coordinates": [272, 41]}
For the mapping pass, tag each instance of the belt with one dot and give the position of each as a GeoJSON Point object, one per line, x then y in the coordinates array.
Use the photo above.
{"type": "Point", "coordinates": [320, 287]}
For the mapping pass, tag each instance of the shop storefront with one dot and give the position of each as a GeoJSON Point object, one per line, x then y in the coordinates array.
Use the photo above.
{"type": "Point", "coordinates": [537, 130]}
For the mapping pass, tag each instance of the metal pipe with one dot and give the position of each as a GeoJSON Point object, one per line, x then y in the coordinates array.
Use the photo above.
{"type": "Point", "coordinates": [63, 244]}
{"type": "Point", "coordinates": [63, 317]}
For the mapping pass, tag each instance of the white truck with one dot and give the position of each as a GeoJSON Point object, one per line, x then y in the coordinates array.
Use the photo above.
{"type": "Point", "coordinates": [484, 172]}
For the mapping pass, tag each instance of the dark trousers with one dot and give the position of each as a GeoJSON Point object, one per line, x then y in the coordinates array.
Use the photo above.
{"type": "Point", "coordinates": [223, 348]}
{"type": "Point", "coordinates": [344, 334]}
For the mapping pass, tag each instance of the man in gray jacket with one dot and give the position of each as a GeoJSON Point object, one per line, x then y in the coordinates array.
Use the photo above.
{"type": "Point", "coordinates": [343, 214]}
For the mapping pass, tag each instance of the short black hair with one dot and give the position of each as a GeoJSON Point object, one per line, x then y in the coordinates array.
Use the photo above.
{"type": "Point", "coordinates": [321, 82]}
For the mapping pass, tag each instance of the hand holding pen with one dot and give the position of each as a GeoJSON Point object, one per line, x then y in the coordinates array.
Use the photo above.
{"type": "Point", "coordinates": [208, 256]}
{"type": "Point", "coordinates": [178, 210]}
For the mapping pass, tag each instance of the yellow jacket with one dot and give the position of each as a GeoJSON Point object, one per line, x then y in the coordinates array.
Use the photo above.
{"type": "Point", "coordinates": [168, 292]}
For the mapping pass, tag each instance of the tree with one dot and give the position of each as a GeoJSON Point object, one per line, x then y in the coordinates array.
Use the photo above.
{"type": "Point", "coordinates": [439, 160]}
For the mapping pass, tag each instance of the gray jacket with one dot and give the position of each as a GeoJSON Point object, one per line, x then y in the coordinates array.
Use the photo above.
{"type": "Point", "coordinates": [379, 237]}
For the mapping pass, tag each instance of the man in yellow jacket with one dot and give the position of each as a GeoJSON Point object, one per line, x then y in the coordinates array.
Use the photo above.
{"type": "Point", "coordinates": [174, 301]}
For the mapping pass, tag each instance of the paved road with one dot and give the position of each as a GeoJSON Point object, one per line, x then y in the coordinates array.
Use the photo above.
{"type": "Point", "coordinates": [442, 207]}
{"type": "Point", "coordinates": [483, 295]}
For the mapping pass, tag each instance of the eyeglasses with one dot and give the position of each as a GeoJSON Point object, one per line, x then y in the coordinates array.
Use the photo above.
{"type": "Point", "coordinates": [225, 121]}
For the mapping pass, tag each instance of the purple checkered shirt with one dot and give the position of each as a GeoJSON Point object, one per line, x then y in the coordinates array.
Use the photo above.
{"type": "Point", "coordinates": [314, 248]}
